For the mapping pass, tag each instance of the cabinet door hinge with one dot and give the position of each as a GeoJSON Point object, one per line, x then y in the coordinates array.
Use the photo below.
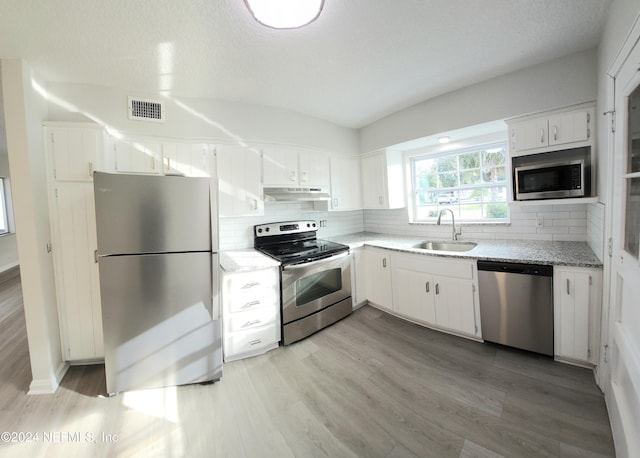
{"type": "Point", "coordinates": [613, 119]}
{"type": "Point", "coordinates": [610, 246]}
{"type": "Point", "coordinates": [52, 141]}
{"type": "Point", "coordinates": [605, 349]}
{"type": "Point", "coordinates": [590, 280]}
{"type": "Point", "coordinates": [56, 193]}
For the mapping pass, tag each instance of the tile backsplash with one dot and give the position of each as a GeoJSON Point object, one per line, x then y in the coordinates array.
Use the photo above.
{"type": "Point", "coordinates": [237, 232]}
{"type": "Point", "coordinates": [573, 222]}
{"type": "Point", "coordinates": [558, 222]}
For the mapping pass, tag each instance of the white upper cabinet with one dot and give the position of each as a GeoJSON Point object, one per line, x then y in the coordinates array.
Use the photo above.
{"type": "Point", "coordinates": [382, 180]}
{"type": "Point", "coordinates": [345, 183]}
{"type": "Point", "coordinates": [75, 151]}
{"type": "Point", "coordinates": [569, 127]}
{"type": "Point", "coordinates": [239, 180]}
{"type": "Point", "coordinates": [287, 166]}
{"type": "Point", "coordinates": [531, 134]}
{"type": "Point", "coordinates": [137, 156]}
{"type": "Point", "coordinates": [558, 129]}
{"type": "Point", "coordinates": [188, 159]}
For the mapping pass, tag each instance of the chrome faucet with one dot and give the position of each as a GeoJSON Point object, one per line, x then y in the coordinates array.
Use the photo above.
{"type": "Point", "coordinates": [455, 234]}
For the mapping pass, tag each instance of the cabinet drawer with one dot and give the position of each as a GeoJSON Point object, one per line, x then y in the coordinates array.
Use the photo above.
{"type": "Point", "coordinates": [251, 319]}
{"type": "Point", "coordinates": [251, 300]}
{"type": "Point", "coordinates": [251, 281]}
{"type": "Point", "coordinates": [251, 340]}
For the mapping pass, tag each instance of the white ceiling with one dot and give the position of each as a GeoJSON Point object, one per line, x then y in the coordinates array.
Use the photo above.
{"type": "Point", "coordinates": [360, 61]}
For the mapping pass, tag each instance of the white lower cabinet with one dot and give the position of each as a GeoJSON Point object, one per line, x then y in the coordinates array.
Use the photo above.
{"type": "Point", "coordinates": [440, 293]}
{"type": "Point", "coordinates": [358, 277]}
{"type": "Point", "coordinates": [377, 267]}
{"type": "Point", "coordinates": [250, 312]}
{"type": "Point", "coordinates": [577, 304]}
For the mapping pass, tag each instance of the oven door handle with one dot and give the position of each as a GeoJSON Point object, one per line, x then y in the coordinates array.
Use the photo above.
{"type": "Point", "coordinates": [306, 265]}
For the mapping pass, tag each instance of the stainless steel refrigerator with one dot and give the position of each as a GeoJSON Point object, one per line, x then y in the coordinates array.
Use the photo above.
{"type": "Point", "coordinates": [158, 263]}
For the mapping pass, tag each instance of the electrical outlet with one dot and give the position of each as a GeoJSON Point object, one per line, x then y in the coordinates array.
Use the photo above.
{"type": "Point", "coordinates": [539, 221]}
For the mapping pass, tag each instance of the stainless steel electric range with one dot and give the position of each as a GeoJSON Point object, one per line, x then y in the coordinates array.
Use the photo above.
{"type": "Point", "coordinates": [315, 276]}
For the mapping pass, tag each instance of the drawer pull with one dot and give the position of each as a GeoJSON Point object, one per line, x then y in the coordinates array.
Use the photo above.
{"type": "Point", "coordinates": [255, 342]}
{"type": "Point", "coordinates": [250, 323]}
{"type": "Point", "coordinates": [568, 288]}
{"type": "Point", "coordinates": [250, 285]}
{"type": "Point", "coordinates": [250, 304]}
{"type": "Point", "coordinates": [437, 288]}
{"type": "Point", "coordinates": [427, 288]}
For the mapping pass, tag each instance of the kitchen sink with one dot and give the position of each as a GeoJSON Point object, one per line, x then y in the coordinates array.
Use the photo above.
{"type": "Point", "coordinates": [446, 246]}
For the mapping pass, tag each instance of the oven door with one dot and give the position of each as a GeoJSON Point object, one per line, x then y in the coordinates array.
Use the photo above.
{"type": "Point", "coordinates": [310, 287]}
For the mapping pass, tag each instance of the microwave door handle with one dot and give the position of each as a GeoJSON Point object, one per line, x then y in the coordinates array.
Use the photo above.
{"type": "Point", "coordinates": [313, 263]}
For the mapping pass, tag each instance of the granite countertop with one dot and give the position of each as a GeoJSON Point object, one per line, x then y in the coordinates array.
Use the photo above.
{"type": "Point", "coordinates": [245, 260]}
{"type": "Point", "coordinates": [577, 254]}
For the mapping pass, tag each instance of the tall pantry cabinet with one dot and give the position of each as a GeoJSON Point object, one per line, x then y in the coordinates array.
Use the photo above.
{"type": "Point", "coordinates": [73, 153]}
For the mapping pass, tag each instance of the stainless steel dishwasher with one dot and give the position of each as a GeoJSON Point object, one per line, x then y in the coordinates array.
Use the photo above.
{"type": "Point", "coordinates": [516, 305]}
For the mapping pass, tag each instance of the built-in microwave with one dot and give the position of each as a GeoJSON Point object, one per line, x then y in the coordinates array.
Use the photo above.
{"type": "Point", "coordinates": [553, 180]}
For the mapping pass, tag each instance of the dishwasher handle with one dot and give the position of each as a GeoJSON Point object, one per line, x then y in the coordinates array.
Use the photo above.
{"type": "Point", "coordinates": [516, 268]}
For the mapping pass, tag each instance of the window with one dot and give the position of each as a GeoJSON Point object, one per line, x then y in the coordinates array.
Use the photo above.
{"type": "Point", "coordinates": [471, 182]}
{"type": "Point", "coordinates": [4, 220]}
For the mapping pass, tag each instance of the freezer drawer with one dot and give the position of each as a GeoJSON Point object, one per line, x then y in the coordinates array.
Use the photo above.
{"type": "Point", "coordinates": [160, 320]}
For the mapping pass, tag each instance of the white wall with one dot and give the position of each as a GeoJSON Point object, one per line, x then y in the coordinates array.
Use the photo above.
{"type": "Point", "coordinates": [8, 246]}
{"type": "Point", "coordinates": [199, 119]}
{"type": "Point", "coordinates": [24, 112]}
{"type": "Point", "coordinates": [557, 83]}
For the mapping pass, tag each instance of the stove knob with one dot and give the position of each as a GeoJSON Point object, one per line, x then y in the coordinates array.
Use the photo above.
{"type": "Point", "coordinates": [308, 225]}
{"type": "Point", "coordinates": [314, 224]}
{"type": "Point", "coordinates": [260, 231]}
{"type": "Point", "coordinates": [267, 229]}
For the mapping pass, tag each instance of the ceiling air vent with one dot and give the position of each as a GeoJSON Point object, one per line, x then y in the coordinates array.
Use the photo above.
{"type": "Point", "coordinates": [146, 110]}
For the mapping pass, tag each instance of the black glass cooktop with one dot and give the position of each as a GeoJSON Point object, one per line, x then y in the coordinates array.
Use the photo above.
{"type": "Point", "coordinates": [303, 251]}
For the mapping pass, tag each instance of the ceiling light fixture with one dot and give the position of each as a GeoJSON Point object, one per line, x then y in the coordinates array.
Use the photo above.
{"type": "Point", "coordinates": [444, 139]}
{"type": "Point", "coordinates": [285, 14]}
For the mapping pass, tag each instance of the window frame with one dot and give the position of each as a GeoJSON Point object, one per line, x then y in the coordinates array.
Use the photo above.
{"type": "Point", "coordinates": [5, 206]}
{"type": "Point", "coordinates": [457, 150]}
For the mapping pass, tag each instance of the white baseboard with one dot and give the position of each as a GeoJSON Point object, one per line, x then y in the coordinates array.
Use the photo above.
{"type": "Point", "coordinates": [49, 386]}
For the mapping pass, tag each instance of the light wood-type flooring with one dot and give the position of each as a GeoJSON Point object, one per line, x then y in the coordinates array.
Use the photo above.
{"type": "Point", "coordinates": [369, 386]}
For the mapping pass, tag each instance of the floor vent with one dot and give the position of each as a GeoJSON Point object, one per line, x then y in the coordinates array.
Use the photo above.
{"type": "Point", "coordinates": [146, 110]}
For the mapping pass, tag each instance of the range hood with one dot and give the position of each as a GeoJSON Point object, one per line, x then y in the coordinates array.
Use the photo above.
{"type": "Point", "coordinates": [296, 193]}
